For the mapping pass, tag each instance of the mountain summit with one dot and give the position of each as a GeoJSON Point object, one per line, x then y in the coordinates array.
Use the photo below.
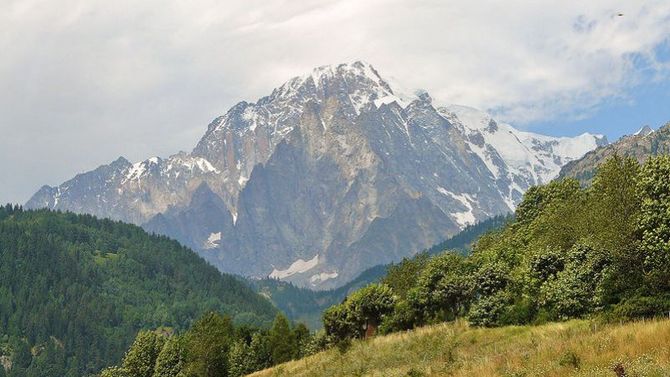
{"type": "Point", "coordinates": [333, 172]}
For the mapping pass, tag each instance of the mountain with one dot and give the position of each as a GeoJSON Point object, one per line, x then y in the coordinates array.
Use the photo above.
{"type": "Point", "coordinates": [333, 172]}
{"type": "Point", "coordinates": [74, 291]}
{"type": "Point", "coordinates": [644, 143]}
{"type": "Point", "coordinates": [307, 306]}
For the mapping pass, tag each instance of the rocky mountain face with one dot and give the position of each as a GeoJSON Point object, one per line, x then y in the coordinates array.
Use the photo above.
{"type": "Point", "coordinates": [332, 173]}
{"type": "Point", "coordinates": [641, 145]}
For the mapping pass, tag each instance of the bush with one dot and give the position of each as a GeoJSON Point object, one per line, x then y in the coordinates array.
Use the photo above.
{"type": "Point", "coordinates": [488, 310]}
{"type": "Point", "coordinates": [643, 307]}
{"type": "Point", "coordinates": [569, 358]}
{"type": "Point", "coordinates": [404, 317]}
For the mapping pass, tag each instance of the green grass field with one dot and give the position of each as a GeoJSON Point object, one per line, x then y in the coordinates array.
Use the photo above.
{"type": "Point", "coordinates": [575, 348]}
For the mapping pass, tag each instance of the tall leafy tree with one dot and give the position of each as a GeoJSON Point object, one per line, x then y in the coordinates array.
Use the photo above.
{"type": "Point", "coordinates": [369, 305]}
{"type": "Point", "coordinates": [260, 352]}
{"type": "Point", "coordinates": [140, 359]}
{"type": "Point", "coordinates": [171, 359]}
{"type": "Point", "coordinates": [115, 372]}
{"type": "Point", "coordinates": [302, 339]}
{"type": "Point", "coordinates": [239, 361]}
{"type": "Point", "coordinates": [443, 287]}
{"type": "Point", "coordinates": [339, 323]}
{"type": "Point", "coordinates": [654, 223]}
{"type": "Point", "coordinates": [207, 345]}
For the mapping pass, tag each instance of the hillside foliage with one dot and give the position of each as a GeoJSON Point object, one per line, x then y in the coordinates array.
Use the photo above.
{"type": "Point", "coordinates": [75, 290]}
{"type": "Point", "coordinates": [215, 347]}
{"type": "Point", "coordinates": [570, 252]}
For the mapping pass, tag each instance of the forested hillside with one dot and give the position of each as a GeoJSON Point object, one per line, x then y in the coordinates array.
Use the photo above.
{"type": "Point", "coordinates": [570, 252]}
{"type": "Point", "coordinates": [74, 291]}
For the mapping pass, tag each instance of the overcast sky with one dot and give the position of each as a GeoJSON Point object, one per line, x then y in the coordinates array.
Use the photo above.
{"type": "Point", "coordinates": [86, 81]}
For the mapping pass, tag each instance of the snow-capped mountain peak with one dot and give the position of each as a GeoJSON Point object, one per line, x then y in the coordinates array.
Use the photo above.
{"type": "Point", "coordinates": [339, 163]}
{"type": "Point", "coordinates": [644, 131]}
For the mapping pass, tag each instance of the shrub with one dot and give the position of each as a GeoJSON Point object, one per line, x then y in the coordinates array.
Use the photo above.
{"type": "Point", "coordinates": [569, 358]}
{"type": "Point", "coordinates": [643, 307]}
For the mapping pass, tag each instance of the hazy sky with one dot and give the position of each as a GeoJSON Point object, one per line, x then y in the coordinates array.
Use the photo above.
{"type": "Point", "coordinates": [86, 81]}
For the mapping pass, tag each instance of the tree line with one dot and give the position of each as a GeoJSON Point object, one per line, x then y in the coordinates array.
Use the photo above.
{"type": "Point", "coordinates": [215, 347]}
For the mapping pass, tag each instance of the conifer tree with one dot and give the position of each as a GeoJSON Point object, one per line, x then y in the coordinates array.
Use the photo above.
{"type": "Point", "coordinates": [282, 341]}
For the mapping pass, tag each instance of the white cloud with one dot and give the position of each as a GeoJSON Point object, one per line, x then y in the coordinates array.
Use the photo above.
{"type": "Point", "coordinates": [85, 81]}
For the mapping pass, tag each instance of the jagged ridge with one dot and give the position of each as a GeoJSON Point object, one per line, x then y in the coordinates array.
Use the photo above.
{"type": "Point", "coordinates": [335, 166]}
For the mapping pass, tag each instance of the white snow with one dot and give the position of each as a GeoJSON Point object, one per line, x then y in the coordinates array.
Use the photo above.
{"type": "Point", "coordinates": [140, 168]}
{"type": "Point", "coordinates": [644, 131]}
{"type": "Point", "coordinates": [443, 191]}
{"type": "Point", "coordinates": [535, 157]}
{"type": "Point", "coordinates": [190, 163]}
{"type": "Point", "coordinates": [466, 217]}
{"type": "Point", "coordinates": [242, 180]}
{"type": "Point", "coordinates": [135, 171]}
{"type": "Point", "coordinates": [298, 267]}
{"type": "Point", "coordinates": [57, 197]}
{"type": "Point", "coordinates": [390, 99]}
{"type": "Point", "coordinates": [472, 118]}
{"type": "Point", "coordinates": [320, 278]}
{"type": "Point", "coordinates": [251, 116]}
{"type": "Point", "coordinates": [212, 241]}
{"type": "Point", "coordinates": [205, 165]}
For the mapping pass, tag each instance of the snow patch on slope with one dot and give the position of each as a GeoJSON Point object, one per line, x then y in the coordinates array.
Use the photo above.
{"type": "Point", "coordinates": [466, 217]}
{"type": "Point", "coordinates": [212, 241]}
{"type": "Point", "coordinates": [320, 278]}
{"type": "Point", "coordinates": [298, 267]}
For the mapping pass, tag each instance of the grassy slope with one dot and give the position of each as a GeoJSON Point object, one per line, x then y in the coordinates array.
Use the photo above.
{"type": "Point", "coordinates": [579, 348]}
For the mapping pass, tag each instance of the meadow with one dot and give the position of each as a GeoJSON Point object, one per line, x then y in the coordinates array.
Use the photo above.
{"type": "Point", "coordinates": [573, 348]}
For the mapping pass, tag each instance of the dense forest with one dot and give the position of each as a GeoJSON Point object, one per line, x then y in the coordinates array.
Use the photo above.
{"type": "Point", "coordinates": [601, 251]}
{"type": "Point", "coordinates": [75, 290]}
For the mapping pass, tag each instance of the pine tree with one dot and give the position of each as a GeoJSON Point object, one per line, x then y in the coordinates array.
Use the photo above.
{"type": "Point", "coordinates": [207, 345]}
{"type": "Point", "coordinates": [302, 339]}
{"type": "Point", "coordinates": [260, 353]}
{"type": "Point", "coordinates": [281, 340]}
{"type": "Point", "coordinates": [239, 359]}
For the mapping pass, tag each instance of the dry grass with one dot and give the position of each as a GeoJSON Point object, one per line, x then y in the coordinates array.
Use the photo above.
{"type": "Point", "coordinates": [575, 348]}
